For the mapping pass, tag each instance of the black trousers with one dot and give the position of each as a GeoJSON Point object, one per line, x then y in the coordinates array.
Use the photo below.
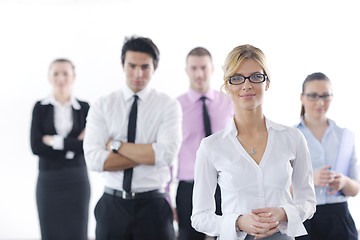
{"type": "Point", "coordinates": [62, 198]}
{"type": "Point", "coordinates": [184, 210]}
{"type": "Point", "coordinates": [330, 222]}
{"type": "Point", "coordinates": [136, 219]}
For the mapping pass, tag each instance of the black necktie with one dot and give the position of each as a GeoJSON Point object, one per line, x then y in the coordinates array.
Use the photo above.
{"type": "Point", "coordinates": [131, 138]}
{"type": "Point", "coordinates": [206, 118]}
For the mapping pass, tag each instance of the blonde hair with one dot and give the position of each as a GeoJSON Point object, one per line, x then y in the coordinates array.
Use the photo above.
{"type": "Point", "coordinates": [237, 56]}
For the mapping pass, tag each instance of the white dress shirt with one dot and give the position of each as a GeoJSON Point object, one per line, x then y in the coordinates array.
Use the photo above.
{"type": "Point", "coordinates": [158, 123]}
{"type": "Point", "coordinates": [63, 121]}
{"type": "Point", "coordinates": [246, 185]}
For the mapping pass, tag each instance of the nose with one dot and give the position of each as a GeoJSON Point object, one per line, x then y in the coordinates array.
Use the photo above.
{"type": "Point", "coordinates": [321, 101]}
{"type": "Point", "coordinates": [199, 73]}
{"type": "Point", "coordinates": [138, 72]}
{"type": "Point", "coordinates": [247, 84]}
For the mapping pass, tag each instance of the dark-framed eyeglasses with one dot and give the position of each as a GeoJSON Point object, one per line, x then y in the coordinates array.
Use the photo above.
{"type": "Point", "coordinates": [314, 97]}
{"type": "Point", "coordinates": [255, 78]}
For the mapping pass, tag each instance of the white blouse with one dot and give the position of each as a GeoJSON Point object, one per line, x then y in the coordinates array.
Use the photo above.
{"type": "Point", "coordinates": [63, 121]}
{"type": "Point", "coordinates": [245, 185]}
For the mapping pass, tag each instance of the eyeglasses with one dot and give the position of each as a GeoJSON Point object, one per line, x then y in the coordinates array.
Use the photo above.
{"type": "Point", "coordinates": [314, 97]}
{"type": "Point", "coordinates": [255, 78]}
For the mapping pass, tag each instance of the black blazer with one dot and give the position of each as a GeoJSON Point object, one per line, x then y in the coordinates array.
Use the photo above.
{"type": "Point", "coordinates": [43, 124]}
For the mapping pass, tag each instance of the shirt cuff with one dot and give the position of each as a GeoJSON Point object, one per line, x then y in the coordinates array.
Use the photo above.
{"type": "Point", "coordinates": [294, 226]}
{"type": "Point", "coordinates": [228, 228]}
{"type": "Point", "coordinates": [69, 155]}
{"type": "Point", "coordinates": [58, 142]}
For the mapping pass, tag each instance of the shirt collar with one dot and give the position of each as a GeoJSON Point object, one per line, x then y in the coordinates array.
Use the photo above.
{"type": "Point", "coordinates": [330, 122]}
{"type": "Point", "coordinates": [51, 100]}
{"type": "Point", "coordinates": [230, 129]}
{"type": "Point", "coordinates": [129, 94]}
{"type": "Point", "coordinates": [195, 96]}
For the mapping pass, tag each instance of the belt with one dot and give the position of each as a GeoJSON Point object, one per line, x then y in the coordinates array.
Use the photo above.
{"type": "Point", "coordinates": [133, 195]}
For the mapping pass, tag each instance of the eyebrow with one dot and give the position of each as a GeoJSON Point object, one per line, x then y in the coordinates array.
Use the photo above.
{"type": "Point", "coordinates": [142, 65]}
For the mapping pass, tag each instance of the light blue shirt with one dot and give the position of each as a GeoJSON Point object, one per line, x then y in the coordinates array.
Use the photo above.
{"type": "Point", "coordinates": [325, 153]}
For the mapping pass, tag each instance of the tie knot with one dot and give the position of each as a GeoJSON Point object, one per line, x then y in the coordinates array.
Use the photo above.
{"type": "Point", "coordinates": [136, 96]}
{"type": "Point", "coordinates": [203, 98]}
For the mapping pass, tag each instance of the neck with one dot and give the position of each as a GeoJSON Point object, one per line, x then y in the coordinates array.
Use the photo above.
{"type": "Point", "coordinates": [250, 121]}
{"type": "Point", "coordinates": [62, 98]}
{"type": "Point", "coordinates": [201, 91]}
{"type": "Point", "coordinates": [316, 122]}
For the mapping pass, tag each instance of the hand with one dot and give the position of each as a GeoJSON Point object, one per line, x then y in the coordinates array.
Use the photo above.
{"type": "Point", "coordinates": [258, 225]}
{"type": "Point", "coordinates": [81, 136]}
{"type": "Point", "coordinates": [338, 183]}
{"type": "Point", "coordinates": [48, 140]}
{"type": "Point", "coordinates": [108, 144]}
{"type": "Point", "coordinates": [324, 176]}
{"type": "Point", "coordinates": [277, 213]}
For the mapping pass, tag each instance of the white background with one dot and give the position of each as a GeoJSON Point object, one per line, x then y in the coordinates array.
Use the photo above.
{"type": "Point", "coordinates": [298, 38]}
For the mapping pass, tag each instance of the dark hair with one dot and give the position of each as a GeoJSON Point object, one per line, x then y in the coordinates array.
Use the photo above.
{"type": "Point", "coordinates": [62, 60]}
{"type": "Point", "coordinates": [312, 77]}
{"type": "Point", "coordinates": [199, 51]}
{"type": "Point", "coordinates": [140, 44]}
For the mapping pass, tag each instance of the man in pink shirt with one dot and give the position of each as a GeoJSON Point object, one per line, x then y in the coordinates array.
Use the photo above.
{"type": "Point", "coordinates": [205, 111]}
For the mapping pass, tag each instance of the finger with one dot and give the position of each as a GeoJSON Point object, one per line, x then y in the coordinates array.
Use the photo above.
{"type": "Point", "coordinates": [330, 191]}
{"type": "Point", "coordinates": [261, 210]}
{"type": "Point", "coordinates": [263, 235]}
{"type": "Point", "coordinates": [327, 167]}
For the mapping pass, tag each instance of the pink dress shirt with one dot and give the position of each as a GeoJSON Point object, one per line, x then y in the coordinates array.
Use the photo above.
{"type": "Point", "coordinates": [220, 110]}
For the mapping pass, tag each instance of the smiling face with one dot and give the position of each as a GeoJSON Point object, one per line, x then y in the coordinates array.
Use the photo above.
{"type": "Point", "coordinates": [316, 108]}
{"type": "Point", "coordinates": [139, 69]}
{"type": "Point", "coordinates": [199, 70]}
{"type": "Point", "coordinates": [61, 77]}
{"type": "Point", "coordinates": [248, 96]}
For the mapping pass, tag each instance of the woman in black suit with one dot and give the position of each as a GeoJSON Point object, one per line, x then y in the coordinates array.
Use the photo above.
{"type": "Point", "coordinates": [57, 132]}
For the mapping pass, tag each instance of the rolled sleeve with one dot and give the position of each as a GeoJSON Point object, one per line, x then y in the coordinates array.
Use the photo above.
{"type": "Point", "coordinates": [168, 138]}
{"type": "Point", "coordinates": [96, 137]}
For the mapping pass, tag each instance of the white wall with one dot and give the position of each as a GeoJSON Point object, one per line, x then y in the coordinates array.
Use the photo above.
{"type": "Point", "coordinates": [298, 37]}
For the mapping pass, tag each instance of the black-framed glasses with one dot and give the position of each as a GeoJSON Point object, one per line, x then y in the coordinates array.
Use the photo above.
{"type": "Point", "coordinates": [314, 97]}
{"type": "Point", "coordinates": [255, 78]}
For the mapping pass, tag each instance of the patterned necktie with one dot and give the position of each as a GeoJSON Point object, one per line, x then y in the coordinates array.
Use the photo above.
{"type": "Point", "coordinates": [206, 118]}
{"type": "Point", "coordinates": [131, 138]}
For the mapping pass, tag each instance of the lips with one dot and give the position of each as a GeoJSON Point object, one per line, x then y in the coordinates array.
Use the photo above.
{"type": "Point", "coordinates": [247, 96]}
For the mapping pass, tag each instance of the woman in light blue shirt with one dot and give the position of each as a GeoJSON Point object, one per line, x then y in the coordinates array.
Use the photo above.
{"type": "Point", "coordinates": [336, 169]}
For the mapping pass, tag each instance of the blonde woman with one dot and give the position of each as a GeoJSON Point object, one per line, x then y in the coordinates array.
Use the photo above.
{"type": "Point", "coordinates": [254, 161]}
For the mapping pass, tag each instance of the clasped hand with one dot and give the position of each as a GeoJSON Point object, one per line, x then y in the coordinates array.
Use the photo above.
{"type": "Point", "coordinates": [262, 222]}
{"type": "Point", "coordinates": [325, 177]}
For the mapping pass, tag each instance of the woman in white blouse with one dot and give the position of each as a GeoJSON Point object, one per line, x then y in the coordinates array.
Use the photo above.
{"type": "Point", "coordinates": [255, 162]}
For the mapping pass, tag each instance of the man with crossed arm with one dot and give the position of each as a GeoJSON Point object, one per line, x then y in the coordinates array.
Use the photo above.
{"type": "Point", "coordinates": [133, 136]}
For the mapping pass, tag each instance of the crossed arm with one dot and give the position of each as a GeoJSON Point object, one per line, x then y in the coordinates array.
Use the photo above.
{"type": "Point", "coordinates": [129, 155]}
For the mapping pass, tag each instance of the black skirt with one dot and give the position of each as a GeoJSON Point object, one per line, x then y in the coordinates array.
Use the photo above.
{"type": "Point", "coordinates": [62, 198]}
{"type": "Point", "coordinates": [331, 222]}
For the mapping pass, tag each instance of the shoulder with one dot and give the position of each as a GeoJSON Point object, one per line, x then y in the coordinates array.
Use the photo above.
{"type": "Point", "coordinates": [109, 99]}
{"type": "Point", "coordinates": [83, 104]}
{"type": "Point", "coordinates": [182, 98]}
{"type": "Point", "coordinates": [163, 99]}
{"type": "Point", "coordinates": [211, 143]}
{"type": "Point", "coordinates": [292, 133]}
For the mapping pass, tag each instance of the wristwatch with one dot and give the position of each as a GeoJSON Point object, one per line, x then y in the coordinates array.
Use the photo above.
{"type": "Point", "coordinates": [115, 145]}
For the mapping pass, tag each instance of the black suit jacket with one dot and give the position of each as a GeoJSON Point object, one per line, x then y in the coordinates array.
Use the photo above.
{"type": "Point", "coordinates": [43, 124]}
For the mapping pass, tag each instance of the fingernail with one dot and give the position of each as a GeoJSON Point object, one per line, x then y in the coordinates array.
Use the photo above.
{"type": "Point", "coordinates": [269, 214]}
{"type": "Point", "coordinates": [251, 226]}
{"type": "Point", "coordinates": [277, 223]}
